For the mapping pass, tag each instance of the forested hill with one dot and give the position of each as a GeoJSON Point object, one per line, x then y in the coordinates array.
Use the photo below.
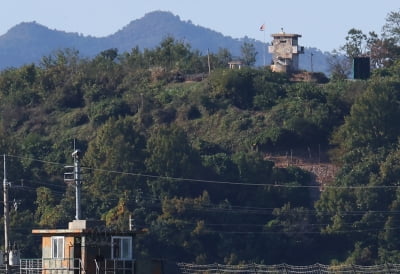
{"type": "Point", "coordinates": [29, 42]}
{"type": "Point", "coordinates": [190, 155]}
{"type": "Point", "coordinates": [209, 163]}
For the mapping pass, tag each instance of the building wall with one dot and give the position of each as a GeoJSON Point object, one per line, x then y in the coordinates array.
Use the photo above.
{"type": "Point", "coordinates": [295, 62]}
{"type": "Point", "coordinates": [46, 247]}
{"type": "Point", "coordinates": [285, 51]}
{"type": "Point", "coordinates": [47, 256]}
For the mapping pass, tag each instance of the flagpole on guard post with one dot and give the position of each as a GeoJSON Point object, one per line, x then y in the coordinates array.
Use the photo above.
{"type": "Point", "coordinates": [262, 28]}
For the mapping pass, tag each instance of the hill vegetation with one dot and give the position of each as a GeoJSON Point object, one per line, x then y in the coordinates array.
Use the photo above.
{"type": "Point", "coordinates": [190, 156]}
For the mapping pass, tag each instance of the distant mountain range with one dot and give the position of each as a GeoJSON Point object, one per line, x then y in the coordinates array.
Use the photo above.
{"type": "Point", "coordinates": [27, 43]}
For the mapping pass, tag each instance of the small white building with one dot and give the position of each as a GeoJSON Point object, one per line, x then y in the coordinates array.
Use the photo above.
{"type": "Point", "coordinates": [235, 64]}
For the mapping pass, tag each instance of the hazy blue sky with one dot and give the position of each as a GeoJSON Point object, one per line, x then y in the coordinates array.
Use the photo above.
{"type": "Point", "coordinates": [323, 23]}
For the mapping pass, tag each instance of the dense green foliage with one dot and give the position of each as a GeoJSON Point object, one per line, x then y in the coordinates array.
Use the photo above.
{"type": "Point", "coordinates": [184, 153]}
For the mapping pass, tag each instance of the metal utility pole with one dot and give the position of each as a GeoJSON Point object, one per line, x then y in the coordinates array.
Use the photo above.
{"type": "Point", "coordinates": [262, 28]}
{"type": "Point", "coordinates": [6, 214]}
{"type": "Point", "coordinates": [78, 183]}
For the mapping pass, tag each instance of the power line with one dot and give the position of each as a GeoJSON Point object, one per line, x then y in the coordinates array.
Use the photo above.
{"type": "Point", "coordinates": [276, 185]}
{"type": "Point", "coordinates": [231, 208]}
{"type": "Point", "coordinates": [316, 225]}
{"type": "Point", "coordinates": [224, 208]}
{"type": "Point", "coordinates": [298, 232]}
{"type": "Point", "coordinates": [22, 185]}
{"type": "Point", "coordinates": [35, 160]}
{"type": "Point", "coordinates": [239, 209]}
{"type": "Point", "coordinates": [250, 210]}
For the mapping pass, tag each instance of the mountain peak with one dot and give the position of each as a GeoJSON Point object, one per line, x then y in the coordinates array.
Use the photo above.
{"type": "Point", "coordinates": [27, 27]}
{"type": "Point", "coordinates": [159, 13]}
{"type": "Point", "coordinates": [156, 20]}
{"type": "Point", "coordinates": [28, 42]}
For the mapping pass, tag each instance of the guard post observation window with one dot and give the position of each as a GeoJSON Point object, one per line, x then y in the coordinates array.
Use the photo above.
{"type": "Point", "coordinates": [121, 248]}
{"type": "Point", "coordinates": [57, 247]}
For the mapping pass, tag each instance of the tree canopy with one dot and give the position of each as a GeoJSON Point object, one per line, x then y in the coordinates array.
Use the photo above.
{"type": "Point", "coordinates": [217, 167]}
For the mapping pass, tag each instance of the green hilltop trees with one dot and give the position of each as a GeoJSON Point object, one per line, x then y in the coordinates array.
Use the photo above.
{"type": "Point", "coordinates": [189, 156]}
{"type": "Point", "coordinates": [366, 197]}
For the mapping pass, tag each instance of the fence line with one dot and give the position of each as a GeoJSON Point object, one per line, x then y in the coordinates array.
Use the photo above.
{"type": "Point", "coordinates": [186, 268]}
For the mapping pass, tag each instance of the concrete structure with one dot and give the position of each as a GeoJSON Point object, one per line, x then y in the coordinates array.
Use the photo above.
{"type": "Point", "coordinates": [235, 64]}
{"type": "Point", "coordinates": [285, 52]}
{"type": "Point", "coordinates": [85, 247]}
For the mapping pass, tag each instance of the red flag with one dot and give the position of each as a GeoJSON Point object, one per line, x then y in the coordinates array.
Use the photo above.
{"type": "Point", "coordinates": [262, 28]}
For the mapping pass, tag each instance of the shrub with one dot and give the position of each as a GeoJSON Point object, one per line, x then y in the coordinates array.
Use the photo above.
{"type": "Point", "coordinates": [102, 111]}
{"type": "Point", "coordinates": [193, 113]}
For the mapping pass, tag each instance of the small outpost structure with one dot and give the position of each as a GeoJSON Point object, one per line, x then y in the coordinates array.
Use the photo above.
{"type": "Point", "coordinates": [285, 52]}
{"type": "Point", "coordinates": [87, 246]}
{"type": "Point", "coordinates": [235, 64]}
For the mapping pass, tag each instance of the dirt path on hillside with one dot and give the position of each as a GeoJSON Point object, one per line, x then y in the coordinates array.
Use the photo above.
{"type": "Point", "coordinates": [319, 165]}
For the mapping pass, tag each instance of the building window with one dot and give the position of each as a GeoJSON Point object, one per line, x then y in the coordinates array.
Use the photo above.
{"type": "Point", "coordinates": [57, 247]}
{"type": "Point", "coordinates": [121, 248]}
